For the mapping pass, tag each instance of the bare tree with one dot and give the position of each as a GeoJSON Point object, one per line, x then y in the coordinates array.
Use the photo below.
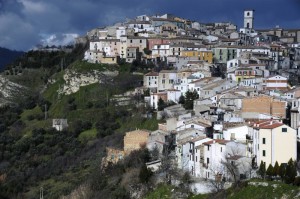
{"type": "Point", "coordinates": [218, 180]}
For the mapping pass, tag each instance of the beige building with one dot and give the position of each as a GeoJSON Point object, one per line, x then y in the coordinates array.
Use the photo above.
{"type": "Point", "coordinates": [135, 140]}
{"type": "Point", "coordinates": [274, 141]}
{"type": "Point", "coordinates": [166, 79]}
{"type": "Point", "coordinates": [139, 42]}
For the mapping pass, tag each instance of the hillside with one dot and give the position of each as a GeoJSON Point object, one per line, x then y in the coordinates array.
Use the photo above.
{"type": "Point", "coordinates": [33, 154]}
{"type": "Point", "coordinates": [7, 56]}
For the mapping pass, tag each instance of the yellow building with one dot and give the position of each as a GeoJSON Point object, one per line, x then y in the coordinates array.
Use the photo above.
{"type": "Point", "coordinates": [109, 60]}
{"type": "Point", "coordinates": [202, 55]}
{"type": "Point", "coordinates": [244, 73]}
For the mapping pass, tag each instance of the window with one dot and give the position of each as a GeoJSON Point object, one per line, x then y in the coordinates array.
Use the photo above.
{"type": "Point", "coordinates": [196, 158]}
{"type": "Point", "coordinates": [264, 153]}
{"type": "Point", "coordinates": [264, 141]}
{"type": "Point", "coordinates": [192, 126]}
{"type": "Point", "coordinates": [221, 149]}
{"type": "Point", "coordinates": [208, 147]}
{"type": "Point", "coordinates": [284, 130]}
{"type": "Point", "coordinates": [130, 40]}
{"type": "Point", "coordinates": [140, 41]}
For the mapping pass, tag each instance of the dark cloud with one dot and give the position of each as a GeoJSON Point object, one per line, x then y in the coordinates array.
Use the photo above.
{"type": "Point", "coordinates": [24, 23]}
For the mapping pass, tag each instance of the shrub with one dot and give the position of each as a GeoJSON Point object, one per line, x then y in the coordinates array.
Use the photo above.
{"type": "Point", "coordinates": [297, 181]}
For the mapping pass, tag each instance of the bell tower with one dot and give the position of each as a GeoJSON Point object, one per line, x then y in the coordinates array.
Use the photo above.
{"type": "Point", "coordinates": [248, 19]}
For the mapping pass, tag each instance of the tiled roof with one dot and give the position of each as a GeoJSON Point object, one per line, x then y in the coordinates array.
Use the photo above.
{"type": "Point", "coordinates": [152, 74]}
{"type": "Point", "coordinates": [219, 141]}
{"type": "Point", "coordinates": [268, 124]}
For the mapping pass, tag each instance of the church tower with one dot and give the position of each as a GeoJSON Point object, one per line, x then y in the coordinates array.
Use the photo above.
{"type": "Point", "coordinates": [248, 19]}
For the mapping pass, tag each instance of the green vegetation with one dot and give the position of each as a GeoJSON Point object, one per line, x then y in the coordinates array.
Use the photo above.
{"type": "Point", "coordinates": [34, 155]}
{"type": "Point", "coordinates": [163, 191]}
{"type": "Point", "coordinates": [87, 135]}
{"type": "Point", "coordinates": [255, 189]}
{"type": "Point", "coordinates": [273, 190]}
{"type": "Point", "coordinates": [83, 66]}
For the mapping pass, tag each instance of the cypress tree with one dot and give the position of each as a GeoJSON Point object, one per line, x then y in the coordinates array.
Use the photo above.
{"type": "Point", "coordinates": [270, 171]}
{"type": "Point", "coordinates": [291, 172]}
{"type": "Point", "coordinates": [276, 169]}
{"type": "Point", "coordinates": [282, 171]}
{"type": "Point", "coordinates": [262, 169]}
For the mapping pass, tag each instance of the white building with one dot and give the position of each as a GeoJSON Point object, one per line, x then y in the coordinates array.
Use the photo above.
{"type": "Point", "coordinates": [218, 151]}
{"type": "Point", "coordinates": [162, 50]}
{"type": "Point", "coordinates": [276, 82]}
{"type": "Point", "coordinates": [151, 80]}
{"type": "Point", "coordinates": [274, 141]}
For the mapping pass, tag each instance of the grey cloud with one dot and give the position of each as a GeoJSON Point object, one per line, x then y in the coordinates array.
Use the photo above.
{"type": "Point", "coordinates": [22, 22]}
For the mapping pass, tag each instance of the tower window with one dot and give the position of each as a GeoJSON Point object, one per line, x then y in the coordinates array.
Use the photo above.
{"type": "Point", "coordinates": [248, 13]}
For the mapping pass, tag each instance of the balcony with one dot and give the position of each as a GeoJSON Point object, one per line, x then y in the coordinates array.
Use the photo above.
{"type": "Point", "coordinates": [249, 138]}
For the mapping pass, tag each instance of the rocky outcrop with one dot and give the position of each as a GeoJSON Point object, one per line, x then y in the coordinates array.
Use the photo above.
{"type": "Point", "coordinates": [9, 91]}
{"type": "Point", "coordinates": [74, 80]}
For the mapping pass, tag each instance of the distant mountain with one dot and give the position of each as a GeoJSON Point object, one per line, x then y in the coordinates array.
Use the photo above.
{"type": "Point", "coordinates": [7, 56]}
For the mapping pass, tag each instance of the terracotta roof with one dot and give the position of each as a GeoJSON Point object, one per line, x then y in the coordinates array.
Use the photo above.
{"type": "Point", "coordinates": [152, 74]}
{"type": "Point", "coordinates": [219, 141]}
{"type": "Point", "coordinates": [268, 124]}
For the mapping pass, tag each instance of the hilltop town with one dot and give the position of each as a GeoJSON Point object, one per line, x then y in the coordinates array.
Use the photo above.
{"type": "Point", "coordinates": [228, 97]}
{"type": "Point", "coordinates": [155, 107]}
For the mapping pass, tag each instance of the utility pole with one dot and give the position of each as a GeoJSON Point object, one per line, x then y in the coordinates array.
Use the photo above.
{"type": "Point", "coordinates": [45, 111]}
{"type": "Point", "coordinates": [41, 193]}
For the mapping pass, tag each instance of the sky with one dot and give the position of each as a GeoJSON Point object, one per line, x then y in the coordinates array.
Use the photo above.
{"type": "Point", "coordinates": [26, 23]}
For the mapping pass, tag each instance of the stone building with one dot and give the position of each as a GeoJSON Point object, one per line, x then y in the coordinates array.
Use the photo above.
{"type": "Point", "coordinates": [135, 140]}
{"type": "Point", "coordinates": [253, 107]}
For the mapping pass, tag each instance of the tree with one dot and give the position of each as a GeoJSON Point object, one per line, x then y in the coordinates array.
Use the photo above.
{"type": "Point", "coordinates": [186, 181]}
{"type": "Point", "coordinates": [262, 170]}
{"type": "Point", "coordinates": [270, 171]}
{"type": "Point", "coordinates": [147, 92]}
{"type": "Point", "coordinates": [282, 171]}
{"type": "Point", "coordinates": [147, 51]}
{"type": "Point", "coordinates": [276, 169]}
{"type": "Point", "coordinates": [291, 172]}
{"type": "Point", "coordinates": [189, 99]}
{"type": "Point", "coordinates": [181, 100]}
{"type": "Point", "coordinates": [145, 174]}
{"type": "Point", "coordinates": [219, 180]}
{"type": "Point", "coordinates": [161, 104]}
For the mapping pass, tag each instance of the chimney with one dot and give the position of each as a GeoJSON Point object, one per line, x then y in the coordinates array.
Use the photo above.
{"type": "Point", "coordinates": [271, 122]}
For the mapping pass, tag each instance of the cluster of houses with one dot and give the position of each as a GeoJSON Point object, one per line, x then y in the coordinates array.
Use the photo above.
{"type": "Point", "coordinates": [178, 41]}
{"type": "Point", "coordinates": [248, 116]}
{"type": "Point", "coordinates": [203, 143]}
